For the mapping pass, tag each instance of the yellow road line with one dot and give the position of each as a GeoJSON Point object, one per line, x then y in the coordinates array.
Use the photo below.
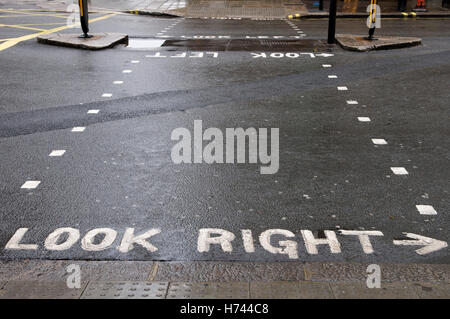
{"type": "Point", "coordinates": [20, 27]}
{"type": "Point", "coordinates": [32, 14]}
{"type": "Point", "coordinates": [28, 24]}
{"type": "Point", "coordinates": [13, 42]}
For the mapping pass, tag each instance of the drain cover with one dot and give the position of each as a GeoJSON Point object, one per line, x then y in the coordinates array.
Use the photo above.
{"type": "Point", "coordinates": [125, 290]}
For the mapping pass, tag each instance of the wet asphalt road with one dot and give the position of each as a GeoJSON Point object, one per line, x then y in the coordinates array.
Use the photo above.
{"type": "Point", "coordinates": [118, 172]}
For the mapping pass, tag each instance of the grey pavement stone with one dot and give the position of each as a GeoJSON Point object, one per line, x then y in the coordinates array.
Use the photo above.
{"type": "Point", "coordinates": [291, 290]}
{"type": "Point", "coordinates": [97, 42]}
{"type": "Point", "coordinates": [387, 291]}
{"type": "Point", "coordinates": [55, 270]}
{"type": "Point", "coordinates": [358, 43]}
{"type": "Point", "coordinates": [322, 271]}
{"type": "Point", "coordinates": [39, 290]}
{"type": "Point", "coordinates": [208, 290]}
{"type": "Point", "coordinates": [229, 271]}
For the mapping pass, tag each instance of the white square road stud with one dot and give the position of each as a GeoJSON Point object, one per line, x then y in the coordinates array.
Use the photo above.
{"type": "Point", "coordinates": [379, 141]}
{"type": "Point", "coordinates": [426, 210]}
{"type": "Point", "coordinates": [30, 184]}
{"type": "Point", "coordinates": [399, 170]}
{"type": "Point", "coordinates": [57, 153]}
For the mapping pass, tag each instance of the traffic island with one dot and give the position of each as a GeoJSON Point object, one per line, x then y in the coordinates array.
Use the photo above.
{"type": "Point", "coordinates": [361, 44]}
{"type": "Point", "coordinates": [98, 41]}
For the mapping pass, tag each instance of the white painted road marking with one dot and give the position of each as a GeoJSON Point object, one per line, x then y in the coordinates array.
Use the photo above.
{"type": "Point", "coordinates": [399, 170]}
{"type": "Point", "coordinates": [78, 129]}
{"type": "Point", "coordinates": [430, 244]}
{"type": "Point", "coordinates": [426, 210]}
{"type": "Point", "coordinates": [127, 71]}
{"type": "Point", "coordinates": [331, 76]}
{"type": "Point", "coordinates": [30, 184]}
{"type": "Point", "coordinates": [326, 65]}
{"type": "Point", "coordinates": [363, 119]}
{"type": "Point", "coordinates": [379, 141]}
{"type": "Point", "coordinates": [352, 102]}
{"type": "Point", "coordinates": [118, 82]}
{"type": "Point", "coordinates": [57, 153]}
{"type": "Point", "coordinates": [342, 88]}
{"type": "Point", "coordinates": [93, 111]}
{"type": "Point", "coordinates": [106, 95]}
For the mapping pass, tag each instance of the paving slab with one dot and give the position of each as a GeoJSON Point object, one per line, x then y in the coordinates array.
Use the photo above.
{"type": "Point", "coordinates": [386, 291]}
{"type": "Point", "coordinates": [39, 290]}
{"type": "Point", "coordinates": [290, 290]}
{"type": "Point", "coordinates": [125, 290]}
{"type": "Point", "coordinates": [98, 41]}
{"type": "Point", "coordinates": [208, 290]}
{"type": "Point", "coordinates": [430, 291]}
{"type": "Point", "coordinates": [359, 43]}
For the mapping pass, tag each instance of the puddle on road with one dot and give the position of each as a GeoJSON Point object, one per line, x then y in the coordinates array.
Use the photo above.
{"type": "Point", "coordinates": [144, 43]}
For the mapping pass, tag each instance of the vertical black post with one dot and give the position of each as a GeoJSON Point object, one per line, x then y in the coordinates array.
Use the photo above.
{"type": "Point", "coordinates": [321, 5]}
{"type": "Point", "coordinates": [332, 21]}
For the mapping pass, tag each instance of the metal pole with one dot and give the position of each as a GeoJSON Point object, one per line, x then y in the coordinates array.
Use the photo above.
{"type": "Point", "coordinates": [332, 22]}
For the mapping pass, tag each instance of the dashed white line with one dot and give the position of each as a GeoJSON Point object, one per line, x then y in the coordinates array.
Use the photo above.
{"type": "Point", "coordinates": [332, 76]}
{"type": "Point", "coordinates": [352, 102]}
{"type": "Point", "coordinates": [399, 171]}
{"type": "Point", "coordinates": [135, 61]}
{"type": "Point", "coordinates": [30, 184]}
{"type": "Point", "coordinates": [426, 210]}
{"type": "Point", "coordinates": [342, 88]}
{"type": "Point", "coordinates": [379, 141]}
{"type": "Point", "coordinates": [93, 111]}
{"type": "Point", "coordinates": [127, 71]}
{"type": "Point", "coordinates": [78, 129]}
{"type": "Point", "coordinates": [57, 153]}
{"type": "Point", "coordinates": [106, 95]}
{"type": "Point", "coordinates": [363, 119]}
{"type": "Point", "coordinates": [326, 65]}
{"type": "Point", "coordinates": [118, 82]}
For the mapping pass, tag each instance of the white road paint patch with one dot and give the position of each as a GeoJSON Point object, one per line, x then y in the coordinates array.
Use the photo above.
{"type": "Point", "coordinates": [326, 65]}
{"type": "Point", "coordinates": [363, 237]}
{"type": "Point", "coordinates": [30, 184]}
{"type": "Point", "coordinates": [342, 88]}
{"type": "Point", "coordinates": [399, 170]}
{"type": "Point", "coordinates": [332, 76]}
{"type": "Point", "coordinates": [430, 244]}
{"type": "Point", "coordinates": [93, 111]}
{"type": "Point", "coordinates": [426, 210]}
{"type": "Point", "coordinates": [135, 61]}
{"type": "Point", "coordinates": [352, 102]}
{"type": "Point", "coordinates": [363, 119]}
{"type": "Point", "coordinates": [379, 141]}
{"type": "Point", "coordinates": [57, 153]}
{"type": "Point", "coordinates": [127, 71]}
{"type": "Point", "coordinates": [107, 95]}
{"type": "Point", "coordinates": [118, 82]}
{"type": "Point", "coordinates": [78, 129]}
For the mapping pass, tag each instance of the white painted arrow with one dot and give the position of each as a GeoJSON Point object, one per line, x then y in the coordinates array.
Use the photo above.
{"type": "Point", "coordinates": [325, 55]}
{"type": "Point", "coordinates": [430, 244]}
